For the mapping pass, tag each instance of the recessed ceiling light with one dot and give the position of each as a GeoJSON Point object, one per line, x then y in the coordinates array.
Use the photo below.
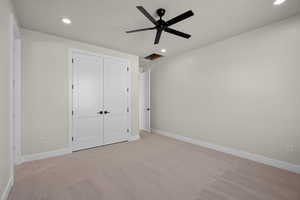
{"type": "Point", "coordinates": [66, 20]}
{"type": "Point", "coordinates": [278, 2]}
{"type": "Point", "coordinates": [163, 50]}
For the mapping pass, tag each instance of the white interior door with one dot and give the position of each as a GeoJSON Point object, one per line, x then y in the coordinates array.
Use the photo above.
{"type": "Point", "coordinates": [87, 101]}
{"type": "Point", "coordinates": [145, 109]}
{"type": "Point", "coordinates": [115, 101]}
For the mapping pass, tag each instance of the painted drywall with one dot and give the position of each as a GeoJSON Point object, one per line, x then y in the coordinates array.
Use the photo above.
{"type": "Point", "coordinates": [242, 93]}
{"type": "Point", "coordinates": [46, 90]}
{"type": "Point", "coordinates": [5, 53]}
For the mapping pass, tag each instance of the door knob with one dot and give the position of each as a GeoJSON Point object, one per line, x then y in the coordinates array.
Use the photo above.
{"type": "Point", "coordinates": [100, 112]}
{"type": "Point", "coordinates": [106, 112]}
{"type": "Point", "coordinates": [148, 109]}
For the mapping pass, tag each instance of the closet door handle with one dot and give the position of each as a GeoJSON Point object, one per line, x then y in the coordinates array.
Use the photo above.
{"type": "Point", "coordinates": [106, 112]}
{"type": "Point", "coordinates": [100, 112]}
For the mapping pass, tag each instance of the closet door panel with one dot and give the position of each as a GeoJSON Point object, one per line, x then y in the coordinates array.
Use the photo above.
{"type": "Point", "coordinates": [87, 101]}
{"type": "Point", "coordinates": [115, 100]}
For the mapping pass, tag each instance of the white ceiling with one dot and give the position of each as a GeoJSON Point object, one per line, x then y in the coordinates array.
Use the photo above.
{"type": "Point", "coordinates": [104, 22]}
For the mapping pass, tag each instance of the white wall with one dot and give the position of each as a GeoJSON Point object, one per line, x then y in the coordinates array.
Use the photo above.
{"type": "Point", "coordinates": [5, 55]}
{"type": "Point", "coordinates": [45, 90]}
{"type": "Point", "coordinates": [242, 93]}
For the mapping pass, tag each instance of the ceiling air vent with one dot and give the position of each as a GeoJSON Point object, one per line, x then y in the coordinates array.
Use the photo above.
{"type": "Point", "coordinates": [153, 56]}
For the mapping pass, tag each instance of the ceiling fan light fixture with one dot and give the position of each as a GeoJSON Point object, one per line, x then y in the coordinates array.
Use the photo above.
{"type": "Point", "coordinates": [278, 2]}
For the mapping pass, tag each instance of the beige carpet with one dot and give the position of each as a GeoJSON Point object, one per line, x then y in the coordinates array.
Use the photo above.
{"type": "Point", "coordinates": [153, 168]}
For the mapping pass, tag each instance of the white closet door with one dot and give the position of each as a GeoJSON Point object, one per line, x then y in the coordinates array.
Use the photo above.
{"type": "Point", "coordinates": [87, 101]}
{"type": "Point", "coordinates": [115, 101]}
{"type": "Point", "coordinates": [145, 109]}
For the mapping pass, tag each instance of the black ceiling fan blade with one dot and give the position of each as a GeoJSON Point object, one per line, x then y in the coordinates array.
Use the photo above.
{"type": "Point", "coordinates": [180, 18]}
{"type": "Point", "coordinates": [144, 11]}
{"type": "Point", "coordinates": [143, 29]}
{"type": "Point", "coordinates": [158, 35]}
{"type": "Point", "coordinates": [178, 33]}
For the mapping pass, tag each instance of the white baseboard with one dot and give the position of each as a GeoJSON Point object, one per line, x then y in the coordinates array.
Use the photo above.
{"type": "Point", "coordinates": [44, 155]}
{"type": "Point", "coordinates": [133, 138]}
{"type": "Point", "coordinates": [149, 131]}
{"type": "Point", "coordinates": [250, 156]}
{"type": "Point", "coordinates": [7, 189]}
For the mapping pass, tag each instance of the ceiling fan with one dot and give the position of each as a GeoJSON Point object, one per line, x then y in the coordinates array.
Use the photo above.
{"type": "Point", "coordinates": [161, 25]}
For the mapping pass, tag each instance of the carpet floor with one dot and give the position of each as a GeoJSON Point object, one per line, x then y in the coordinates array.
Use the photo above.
{"type": "Point", "coordinates": [153, 168]}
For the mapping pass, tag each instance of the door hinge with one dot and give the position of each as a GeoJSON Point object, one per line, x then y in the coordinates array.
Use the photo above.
{"type": "Point", "coordinates": [128, 69]}
{"type": "Point", "coordinates": [72, 60]}
{"type": "Point", "coordinates": [127, 130]}
{"type": "Point", "coordinates": [127, 109]}
{"type": "Point", "coordinates": [72, 112]}
{"type": "Point", "coordinates": [127, 89]}
{"type": "Point", "coordinates": [72, 139]}
{"type": "Point", "coordinates": [72, 87]}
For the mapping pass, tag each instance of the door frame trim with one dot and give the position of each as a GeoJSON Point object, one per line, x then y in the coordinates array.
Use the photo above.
{"type": "Point", "coordinates": [15, 90]}
{"type": "Point", "coordinates": [70, 95]}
